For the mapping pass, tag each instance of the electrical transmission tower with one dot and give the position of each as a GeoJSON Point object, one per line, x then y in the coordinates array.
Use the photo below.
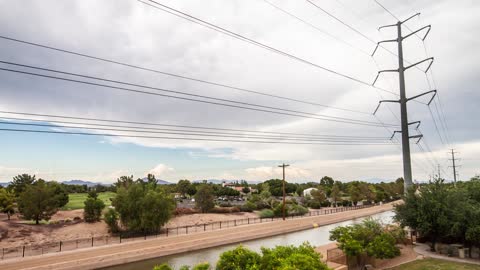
{"type": "Point", "coordinates": [454, 166]}
{"type": "Point", "coordinates": [407, 164]}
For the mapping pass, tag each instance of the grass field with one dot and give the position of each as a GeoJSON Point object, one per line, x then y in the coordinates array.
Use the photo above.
{"type": "Point", "coordinates": [435, 264]}
{"type": "Point", "coordinates": [75, 200]}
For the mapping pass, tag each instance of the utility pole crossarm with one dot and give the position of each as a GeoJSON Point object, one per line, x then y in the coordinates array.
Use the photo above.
{"type": "Point", "coordinates": [423, 28]}
{"type": "Point", "coordinates": [415, 122]}
{"type": "Point", "coordinates": [383, 41]}
{"type": "Point", "coordinates": [382, 71]}
{"type": "Point", "coordinates": [381, 101]}
{"type": "Point", "coordinates": [411, 17]}
{"type": "Point", "coordinates": [419, 62]}
{"type": "Point", "coordinates": [428, 92]}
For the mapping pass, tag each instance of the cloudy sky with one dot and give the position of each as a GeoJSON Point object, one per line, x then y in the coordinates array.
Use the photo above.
{"type": "Point", "coordinates": [138, 34]}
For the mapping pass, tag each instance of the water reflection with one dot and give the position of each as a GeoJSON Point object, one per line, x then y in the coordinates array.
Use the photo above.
{"type": "Point", "coordinates": [316, 237]}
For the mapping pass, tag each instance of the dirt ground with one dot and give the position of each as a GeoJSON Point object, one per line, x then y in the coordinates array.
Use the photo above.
{"type": "Point", "coordinates": [17, 233]}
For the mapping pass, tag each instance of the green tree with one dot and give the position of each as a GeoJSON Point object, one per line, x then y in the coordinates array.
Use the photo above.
{"type": "Point", "coordinates": [111, 218]}
{"type": "Point", "coordinates": [92, 211]}
{"type": "Point", "coordinates": [20, 183]}
{"type": "Point", "coordinates": [239, 258]}
{"type": "Point", "coordinates": [368, 237]}
{"type": "Point", "coordinates": [355, 192]}
{"type": "Point", "coordinates": [38, 201]}
{"type": "Point", "coordinates": [124, 181]}
{"type": "Point", "coordinates": [143, 208]}
{"type": "Point", "coordinates": [7, 202]}
{"type": "Point", "coordinates": [61, 195]}
{"type": "Point", "coordinates": [204, 198]}
{"type": "Point", "coordinates": [335, 194]}
{"type": "Point", "coordinates": [183, 187]}
{"type": "Point", "coordinates": [290, 257]}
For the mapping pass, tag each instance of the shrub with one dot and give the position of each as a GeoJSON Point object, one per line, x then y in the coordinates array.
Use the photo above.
{"type": "Point", "coordinates": [266, 213]}
{"type": "Point", "coordinates": [201, 266]}
{"type": "Point", "coordinates": [314, 204]}
{"type": "Point", "coordinates": [162, 267]}
{"type": "Point", "coordinates": [383, 247]}
{"type": "Point", "coordinates": [225, 210]}
{"type": "Point", "coordinates": [325, 204]}
{"type": "Point", "coordinates": [290, 257]}
{"type": "Point", "coordinates": [225, 204]}
{"type": "Point", "coordinates": [398, 233]}
{"type": "Point", "coordinates": [367, 237]}
{"type": "Point", "coordinates": [239, 258]}
{"type": "Point", "coordinates": [278, 210]}
{"type": "Point", "coordinates": [346, 203]}
{"type": "Point", "coordinates": [111, 218]}
{"type": "Point", "coordinates": [185, 211]}
{"type": "Point", "coordinates": [297, 210]}
{"type": "Point", "coordinates": [248, 207]}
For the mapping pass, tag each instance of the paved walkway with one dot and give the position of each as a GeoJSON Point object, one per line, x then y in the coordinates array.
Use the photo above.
{"type": "Point", "coordinates": [424, 250]}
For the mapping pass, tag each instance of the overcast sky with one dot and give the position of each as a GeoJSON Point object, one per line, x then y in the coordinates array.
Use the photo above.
{"type": "Point", "coordinates": [132, 32]}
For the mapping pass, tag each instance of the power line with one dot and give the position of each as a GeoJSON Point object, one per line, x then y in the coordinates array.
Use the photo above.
{"type": "Point", "coordinates": [318, 28]}
{"type": "Point", "coordinates": [227, 32]}
{"type": "Point", "coordinates": [184, 133]}
{"type": "Point", "coordinates": [169, 91]}
{"type": "Point", "coordinates": [179, 138]}
{"type": "Point", "coordinates": [174, 75]}
{"type": "Point", "coordinates": [268, 110]}
{"type": "Point", "coordinates": [196, 128]}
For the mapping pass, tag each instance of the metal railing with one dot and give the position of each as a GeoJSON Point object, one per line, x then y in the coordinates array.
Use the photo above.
{"type": "Point", "coordinates": [80, 243]}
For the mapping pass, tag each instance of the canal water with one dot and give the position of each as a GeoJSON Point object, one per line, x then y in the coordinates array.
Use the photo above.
{"type": "Point", "coordinates": [316, 237]}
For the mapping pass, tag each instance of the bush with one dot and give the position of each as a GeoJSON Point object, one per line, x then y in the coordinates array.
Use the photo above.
{"type": "Point", "coordinates": [162, 267]}
{"type": "Point", "coordinates": [185, 211]}
{"type": "Point", "coordinates": [225, 210]}
{"type": "Point", "coordinates": [248, 207]}
{"type": "Point", "coordinates": [278, 210]}
{"type": "Point", "coordinates": [201, 266]}
{"type": "Point", "coordinates": [225, 204]}
{"type": "Point", "coordinates": [266, 213]}
{"type": "Point", "coordinates": [290, 257]}
{"type": "Point", "coordinates": [238, 259]}
{"type": "Point", "coordinates": [314, 204]}
{"type": "Point", "coordinates": [346, 203]}
{"type": "Point", "coordinates": [325, 204]}
{"type": "Point", "coordinates": [383, 247]}
{"type": "Point", "coordinates": [111, 218]}
{"type": "Point", "coordinates": [297, 210]}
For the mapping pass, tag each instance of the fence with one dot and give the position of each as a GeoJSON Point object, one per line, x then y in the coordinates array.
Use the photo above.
{"type": "Point", "coordinates": [33, 250]}
{"type": "Point", "coordinates": [336, 255]}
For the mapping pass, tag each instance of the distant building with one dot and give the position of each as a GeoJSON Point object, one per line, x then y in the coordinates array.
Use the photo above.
{"type": "Point", "coordinates": [308, 191]}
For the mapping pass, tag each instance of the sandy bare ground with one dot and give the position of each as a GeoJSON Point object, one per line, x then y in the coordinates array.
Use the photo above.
{"type": "Point", "coordinates": [15, 232]}
{"type": "Point", "coordinates": [97, 257]}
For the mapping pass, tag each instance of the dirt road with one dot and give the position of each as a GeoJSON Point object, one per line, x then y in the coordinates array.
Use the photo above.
{"type": "Point", "coordinates": [97, 257]}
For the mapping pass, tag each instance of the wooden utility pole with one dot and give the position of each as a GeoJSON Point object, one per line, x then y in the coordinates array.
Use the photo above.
{"type": "Point", "coordinates": [283, 166]}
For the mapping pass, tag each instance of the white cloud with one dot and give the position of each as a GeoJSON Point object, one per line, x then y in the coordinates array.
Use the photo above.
{"type": "Point", "coordinates": [161, 170]}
